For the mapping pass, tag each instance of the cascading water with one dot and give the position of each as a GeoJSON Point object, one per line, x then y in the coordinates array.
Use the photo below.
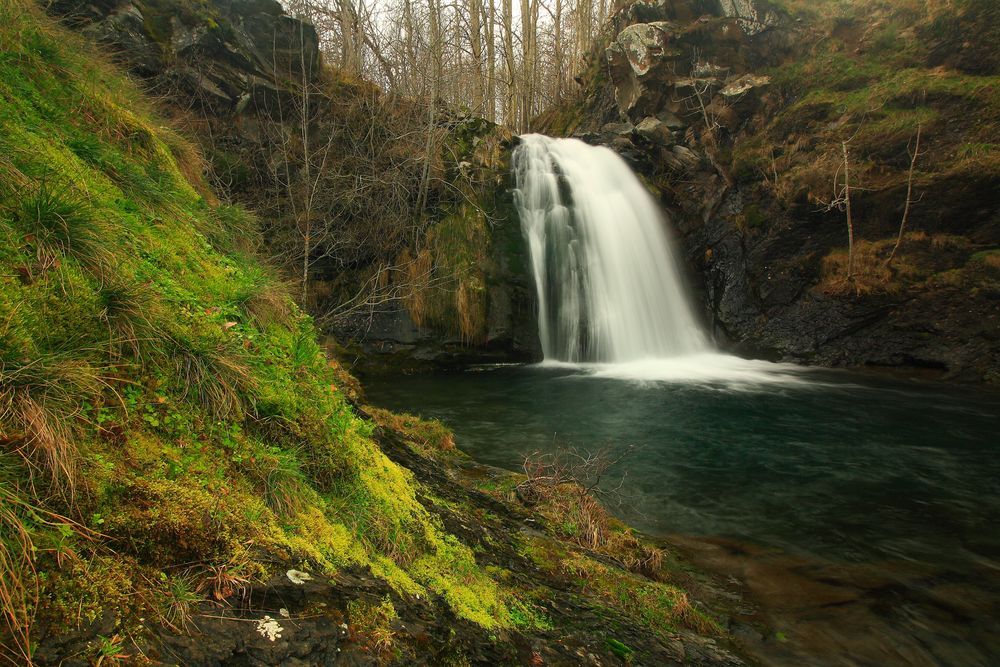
{"type": "Point", "coordinates": [608, 287]}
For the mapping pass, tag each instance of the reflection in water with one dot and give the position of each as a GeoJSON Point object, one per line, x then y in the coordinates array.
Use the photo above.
{"type": "Point", "coordinates": [873, 504]}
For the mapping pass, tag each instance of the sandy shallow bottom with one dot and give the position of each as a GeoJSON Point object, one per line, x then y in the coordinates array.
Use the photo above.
{"type": "Point", "coordinates": [791, 611]}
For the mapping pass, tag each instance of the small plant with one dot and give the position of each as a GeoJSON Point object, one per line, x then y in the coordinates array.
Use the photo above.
{"type": "Point", "coordinates": [372, 623]}
{"type": "Point", "coordinates": [111, 651]}
{"type": "Point", "coordinates": [225, 580]}
{"type": "Point", "coordinates": [182, 600]}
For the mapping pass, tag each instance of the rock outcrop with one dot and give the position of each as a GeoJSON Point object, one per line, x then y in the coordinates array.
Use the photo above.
{"type": "Point", "coordinates": [218, 56]}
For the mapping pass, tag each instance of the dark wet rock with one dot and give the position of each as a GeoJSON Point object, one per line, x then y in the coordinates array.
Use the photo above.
{"type": "Point", "coordinates": [218, 55]}
{"type": "Point", "coordinates": [655, 131]}
{"type": "Point", "coordinates": [618, 129]}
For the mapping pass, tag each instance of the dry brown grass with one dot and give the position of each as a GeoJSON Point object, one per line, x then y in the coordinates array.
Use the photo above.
{"type": "Point", "coordinates": [471, 310]}
{"type": "Point", "coordinates": [578, 516]}
{"type": "Point", "coordinates": [18, 581]}
{"type": "Point", "coordinates": [418, 272]}
{"type": "Point", "coordinates": [562, 485]}
{"type": "Point", "coordinates": [428, 436]}
{"type": "Point", "coordinates": [190, 162]}
{"type": "Point", "coordinates": [872, 275]}
{"type": "Point", "coordinates": [39, 411]}
{"type": "Point", "coordinates": [270, 303]}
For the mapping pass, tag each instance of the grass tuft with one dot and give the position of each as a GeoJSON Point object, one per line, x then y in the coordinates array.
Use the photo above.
{"type": "Point", "coordinates": [131, 313]}
{"type": "Point", "coordinates": [40, 409]}
{"type": "Point", "coordinates": [268, 303]}
{"type": "Point", "coordinates": [60, 224]}
{"type": "Point", "coordinates": [215, 374]}
{"type": "Point", "coordinates": [232, 230]}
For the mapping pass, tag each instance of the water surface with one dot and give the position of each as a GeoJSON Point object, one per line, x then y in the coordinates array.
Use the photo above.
{"type": "Point", "coordinates": [883, 491]}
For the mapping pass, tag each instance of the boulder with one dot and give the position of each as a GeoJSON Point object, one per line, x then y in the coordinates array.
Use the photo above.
{"type": "Point", "coordinates": [636, 61]}
{"type": "Point", "coordinates": [617, 129]}
{"type": "Point", "coordinates": [753, 16]}
{"type": "Point", "coordinates": [671, 120]}
{"type": "Point", "coordinates": [655, 131]}
{"type": "Point", "coordinates": [680, 159]}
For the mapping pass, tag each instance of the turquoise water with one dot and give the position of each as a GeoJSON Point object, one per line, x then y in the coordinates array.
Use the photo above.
{"type": "Point", "coordinates": [830, 466]}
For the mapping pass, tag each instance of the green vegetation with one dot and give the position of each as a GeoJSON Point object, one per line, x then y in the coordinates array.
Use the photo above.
{"type": "Point", "coordinates": [871, 76]}
{"type": "Point", "coordinates": [447, 276]}
{"type": "Point", "coordinates": [620, 649]}
{"type": "Point", "coordinates": [372, 624]}
{"type": "Point", "coordinates": [430, 437]}
{"type": "Point", "coordinates": [652, 602]}
{"type": "Point", "coordinates": [170, 430]}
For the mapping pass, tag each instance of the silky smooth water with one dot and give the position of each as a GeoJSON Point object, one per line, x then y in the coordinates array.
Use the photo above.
{"type": "Point", "coordinates": [604, 268]}
{"type": "Point", "coordinates": [828, 466]}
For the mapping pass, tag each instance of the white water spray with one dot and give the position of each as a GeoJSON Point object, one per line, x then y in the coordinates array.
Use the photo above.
{"type": "Point", "coordinates": [608, 286]}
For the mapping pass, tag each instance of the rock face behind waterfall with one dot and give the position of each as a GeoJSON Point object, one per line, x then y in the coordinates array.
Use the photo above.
{"type": "Point", "coordinates": [735, 112]}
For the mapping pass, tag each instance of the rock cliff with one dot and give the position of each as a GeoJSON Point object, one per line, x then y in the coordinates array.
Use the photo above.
{"type": "Point", "coordinates": [738, 113]}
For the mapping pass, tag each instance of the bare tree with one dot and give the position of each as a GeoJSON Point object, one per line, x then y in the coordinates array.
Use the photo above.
{"type": "Point", "coordinates": [841, 201]}
{"type": "Point", "coordinates": [914, 153]}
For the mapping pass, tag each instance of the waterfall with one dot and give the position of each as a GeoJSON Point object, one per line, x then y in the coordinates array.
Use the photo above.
{"type": "Point", "coordinates": [602, 259]}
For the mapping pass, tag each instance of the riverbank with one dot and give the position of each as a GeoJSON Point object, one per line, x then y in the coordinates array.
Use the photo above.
{"type": "Point", "coordinates": [582, 602]}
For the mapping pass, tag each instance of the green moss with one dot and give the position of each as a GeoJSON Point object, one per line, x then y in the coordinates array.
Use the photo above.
{"type": "Point", "coordinates": [621, 650]}
{"type": "Point", "coordinates": [203, 426]}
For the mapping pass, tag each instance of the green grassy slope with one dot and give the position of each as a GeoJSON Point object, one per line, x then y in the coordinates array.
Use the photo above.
{"type": "Point", "coordinates": [169, 428]}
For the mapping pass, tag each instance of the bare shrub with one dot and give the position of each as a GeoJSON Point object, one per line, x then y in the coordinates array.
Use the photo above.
{"type": "Point", "coordinates": [565, 487]}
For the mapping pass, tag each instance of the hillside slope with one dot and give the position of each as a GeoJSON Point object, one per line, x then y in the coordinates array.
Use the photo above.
{"type": "Point", "coordinates": [404, 265]}
{"type": "Point", "coordinates": [186, 478]}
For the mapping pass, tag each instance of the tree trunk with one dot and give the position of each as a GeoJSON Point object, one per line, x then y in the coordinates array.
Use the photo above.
{"type": "Point", "coordinates": [909, 198]}
{"type": "Point", "coordinates": [850, 220]}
